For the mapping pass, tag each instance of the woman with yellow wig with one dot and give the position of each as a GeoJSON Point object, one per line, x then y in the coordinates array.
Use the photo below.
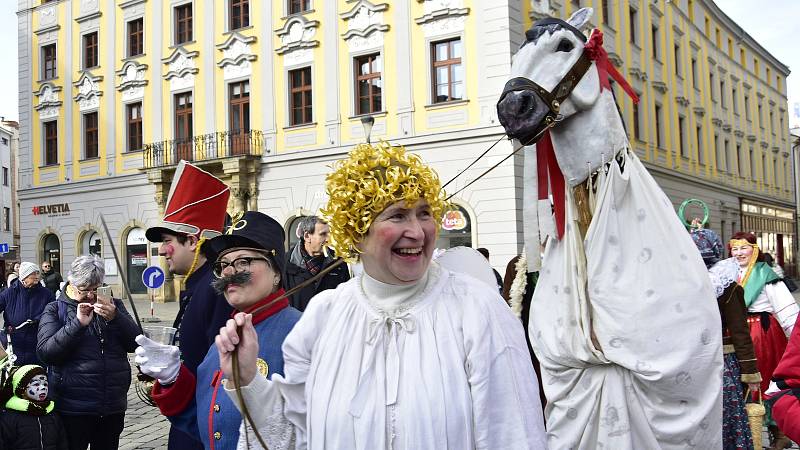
{"type": "Point", "coordinates": [406, 355]}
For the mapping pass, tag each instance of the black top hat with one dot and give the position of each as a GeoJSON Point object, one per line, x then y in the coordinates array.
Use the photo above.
{"type": "Point", "coordinates": [252, 230]}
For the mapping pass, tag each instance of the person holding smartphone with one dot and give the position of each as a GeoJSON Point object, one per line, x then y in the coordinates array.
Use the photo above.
{"type": "Point", "coordinates": [85, 337]}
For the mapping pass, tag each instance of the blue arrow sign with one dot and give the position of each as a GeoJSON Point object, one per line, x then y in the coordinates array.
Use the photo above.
{"type": "Point", "coordinates": [4, 248]}
{"type": "Point", "coordinates": [153, 277]}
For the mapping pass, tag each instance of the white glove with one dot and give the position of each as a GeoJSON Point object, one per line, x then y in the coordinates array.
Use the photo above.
{"type": "Point", "coordinates": [168, 360]}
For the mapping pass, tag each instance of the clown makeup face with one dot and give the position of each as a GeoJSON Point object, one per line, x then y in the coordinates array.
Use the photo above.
{"type": "Point", "coordinates": [37, 389]}
{"type": "Point", "coordinates": [179, 255]}
{"type": "Point", "coordinates": [398, 246]}
{"type": "Point", "coordinates": [742, 253]}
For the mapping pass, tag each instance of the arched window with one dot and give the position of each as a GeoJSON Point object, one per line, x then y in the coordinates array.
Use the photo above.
{"type": "Point", "coordinates": [136, 251]}
{"type": "Point", "coordinates": [456, 229]}
{"type": "Point", "coordinates": [292, 233]}
{"type": "Point", "coordinates": [51, 251]}
{"type": "Point", "coordinates": [92, 244]}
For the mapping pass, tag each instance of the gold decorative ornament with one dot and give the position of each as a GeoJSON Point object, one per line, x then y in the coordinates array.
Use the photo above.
{"type": "Point", "coordinates": [371, 178]}
{"type": "Point", "coordinates": [262, 367]}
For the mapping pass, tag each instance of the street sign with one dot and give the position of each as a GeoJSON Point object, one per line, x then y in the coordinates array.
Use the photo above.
{"type": "Point", "coordinates": [4, 248]}
{"type": "Point", "coordinates": [153, 277]}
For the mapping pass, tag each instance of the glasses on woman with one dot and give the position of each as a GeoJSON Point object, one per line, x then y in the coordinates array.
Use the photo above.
{"type": "Point", "coordinates": [81, 291]}
{"type": "Point", "coordinates": [241, 264]}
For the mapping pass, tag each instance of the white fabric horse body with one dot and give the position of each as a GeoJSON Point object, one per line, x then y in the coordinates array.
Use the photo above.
{"type": "Point", "coordinates": [624, 320]}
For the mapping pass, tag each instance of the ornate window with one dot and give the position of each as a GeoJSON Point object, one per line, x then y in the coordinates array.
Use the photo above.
{"type": "Point", "coordinates": [301, 100]}
{"type": "Point", "coordinates": [90, 135]}
{"type": "Point", "coordinates": [135, 37]}
{"type": "Point", "coordinates": [49, 62]}
{"type": "Point", "coordinates": [51, 143]}
{"type": "Point", "coordinates": [448, 72]}
{"type": "Point", "coordinates": [134, 113]}
{"type": "Point", "coordinates": [183, 23]}
{"type": "Point", "coordinates": [368, 83]}
{"type": "Point", "coordinates": [239, 108]}
{"type": "Point", "coordinates": [299, 6]}
{"type": "Point", "coordinates": [90, 50]}
{"type": "Point", "coordinates": [239, 14]}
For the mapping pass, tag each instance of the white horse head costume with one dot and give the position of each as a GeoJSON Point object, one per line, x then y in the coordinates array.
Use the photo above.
{"type": "Point", "coordinates": [624, 319]}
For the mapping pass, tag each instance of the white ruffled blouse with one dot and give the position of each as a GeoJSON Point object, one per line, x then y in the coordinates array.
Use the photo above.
{"type": "Point", "coordinates": [446, 369]}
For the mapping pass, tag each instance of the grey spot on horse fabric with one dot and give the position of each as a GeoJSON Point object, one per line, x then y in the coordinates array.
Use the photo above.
{"type": "Point", "coordinates": [596, 291]}
{"type": "Point", "coordinates": [704, 424]}
{"type": "Point", "coordinates": [573, 322]}
{"type": "Point", "coordinates": [572, 413]}
{"type": "Point", "coordinates": [684, 257]}
{"type": "Point", "coordinates": [649, 293]}
{"type": "Point", "coordinates": [560, 321]}
{"type": "Point", "coordinates": [567, 290]}
{"type": "Point", "coordinates": [705, 337]}
{"type": "Point", "coordinates": [615, 268]}
{"type": "Point", "coordinates": [567, 228]}
{"type": "Point", "coordinates": [613, 240]}
{"type": "Point", "coordinates": [642, 366]}
{"type": "Point", "coordinates": [611, 417]}
{"type": "Point", "coordinates": [641, 215]}
{"type": "Point", "coordinates": [616, 342]}
{"type": "Point", "coordinates": [678, 308]}
{"type": "Point", "coordinates": [555, 289]}
{"type": "Point", "coordinates": [645, 255]}
{"type": "Point", "coordinates": [683, 378]}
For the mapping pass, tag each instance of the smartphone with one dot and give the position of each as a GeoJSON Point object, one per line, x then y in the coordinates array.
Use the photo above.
{"type": "Point", "coordinates": [104, 294]}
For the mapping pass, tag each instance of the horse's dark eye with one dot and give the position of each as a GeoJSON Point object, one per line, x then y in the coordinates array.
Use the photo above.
{"type": "Point", "coordinates": [565, 46]}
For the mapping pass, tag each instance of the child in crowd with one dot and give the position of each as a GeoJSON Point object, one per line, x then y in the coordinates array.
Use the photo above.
{"type": "Point", "coordinates": [28, 420]}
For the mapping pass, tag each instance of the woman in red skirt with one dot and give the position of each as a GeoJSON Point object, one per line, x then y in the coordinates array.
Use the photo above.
{"type": "Point", "coordinates": [772, 312]}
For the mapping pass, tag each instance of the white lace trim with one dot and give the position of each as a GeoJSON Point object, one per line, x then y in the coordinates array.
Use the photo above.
{"type": "Point", "coordinates": [277, 432]}
{"type": "Point", "coordinates": [723, 274]}
{"type": "Point", "coordinates": [434, 273]}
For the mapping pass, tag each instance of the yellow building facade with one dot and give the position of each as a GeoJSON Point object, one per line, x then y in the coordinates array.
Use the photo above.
{"type": "Point", "coordinates": [267, 94]}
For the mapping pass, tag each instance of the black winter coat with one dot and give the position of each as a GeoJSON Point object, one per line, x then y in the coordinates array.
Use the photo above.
{"type": "Point", "coordinates": [19, 304]}
{"type": "Point", "coordinates": [90, 373]}
{"type": "Point", "coordinates": [52, 281]}
{"type": "Point", "coordinates": [296, 273]}
{"type": "Point", "coordinates": [20, 431]}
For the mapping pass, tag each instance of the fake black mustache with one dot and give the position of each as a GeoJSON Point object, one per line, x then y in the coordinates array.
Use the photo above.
{"type": "Point", "coordinates": [220, 285]}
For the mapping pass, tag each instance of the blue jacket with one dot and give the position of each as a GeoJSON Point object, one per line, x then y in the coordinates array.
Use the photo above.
{"type": "Point", "coordinates": [90, 373]}
{"type": "Point", "coordinates": [203, 312]}
{"type": "Point", "coordinates": [209, 413]}
{"type": "Point", "coordinates": [19, 304]}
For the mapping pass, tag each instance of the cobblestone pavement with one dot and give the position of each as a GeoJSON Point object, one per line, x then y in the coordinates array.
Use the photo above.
{"type": "Point", "coordinates": [147, 429]}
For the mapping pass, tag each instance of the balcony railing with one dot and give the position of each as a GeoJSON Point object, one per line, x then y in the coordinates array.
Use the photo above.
{"type": "Point", "coordinates": [206, 147]}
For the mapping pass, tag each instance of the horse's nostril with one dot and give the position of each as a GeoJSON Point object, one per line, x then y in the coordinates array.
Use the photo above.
{"type": "Point", "coordinates": [526, 103]}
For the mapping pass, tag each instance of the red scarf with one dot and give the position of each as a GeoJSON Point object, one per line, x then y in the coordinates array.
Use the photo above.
{"type": "Point", "coordinates": [274, 306]}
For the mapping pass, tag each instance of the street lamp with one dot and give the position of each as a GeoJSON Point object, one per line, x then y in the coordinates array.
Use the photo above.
{"type": "Point", "coordinates": [367, 122]}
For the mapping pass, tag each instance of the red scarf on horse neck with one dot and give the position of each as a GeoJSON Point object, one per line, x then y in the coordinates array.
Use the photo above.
{"type": "Point", "coordinates": [546, 164]}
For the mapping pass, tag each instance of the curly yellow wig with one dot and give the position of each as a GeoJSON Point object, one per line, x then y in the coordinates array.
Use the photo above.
{"type": "Point", "coordinates": [366, 182]}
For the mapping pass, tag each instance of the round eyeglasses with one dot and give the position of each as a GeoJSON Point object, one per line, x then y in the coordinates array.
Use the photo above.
{"type": "Point", "coordinates": [241, 264]}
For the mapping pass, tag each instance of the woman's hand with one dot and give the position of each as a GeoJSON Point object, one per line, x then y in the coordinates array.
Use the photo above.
{"type": "Point", "coordinates": [85, 313]}
{"type": "Point", "coordinates": [105, 310]}
{"type": "Point", "coordinates": [228, 341]}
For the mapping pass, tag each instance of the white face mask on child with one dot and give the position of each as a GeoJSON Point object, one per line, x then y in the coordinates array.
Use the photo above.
{"type": "Point", "coordinates": [37, 389]}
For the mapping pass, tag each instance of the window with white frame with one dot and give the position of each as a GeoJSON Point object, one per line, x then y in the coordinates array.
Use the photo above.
{"type": "Point", "coordinates": [447, 78]}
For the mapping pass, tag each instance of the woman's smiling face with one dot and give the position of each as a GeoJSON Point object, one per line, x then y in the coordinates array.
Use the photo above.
{"type": "Point", "coordinates": [398, 246]}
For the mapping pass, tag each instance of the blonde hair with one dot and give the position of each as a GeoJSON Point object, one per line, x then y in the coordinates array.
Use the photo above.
{"type": "Point", "coordinates": [371, 178]}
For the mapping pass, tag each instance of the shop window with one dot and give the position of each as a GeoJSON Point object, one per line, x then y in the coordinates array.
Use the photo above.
{"type": "Point", "coordinates": [51, 251]}
{"type": "Point", "coordinates": [456, 229]}
{"type": "Point", "coordinates": [136, 255]}
{"type": "Point", "coordinates": [92, 244]}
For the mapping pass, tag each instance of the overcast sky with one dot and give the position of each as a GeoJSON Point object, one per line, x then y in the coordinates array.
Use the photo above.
{"type": "Point", "coordinates": [775, 27]}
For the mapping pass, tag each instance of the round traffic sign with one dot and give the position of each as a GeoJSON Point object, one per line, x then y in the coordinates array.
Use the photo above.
{"type": "Point", "coordinates": [153, 277]}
